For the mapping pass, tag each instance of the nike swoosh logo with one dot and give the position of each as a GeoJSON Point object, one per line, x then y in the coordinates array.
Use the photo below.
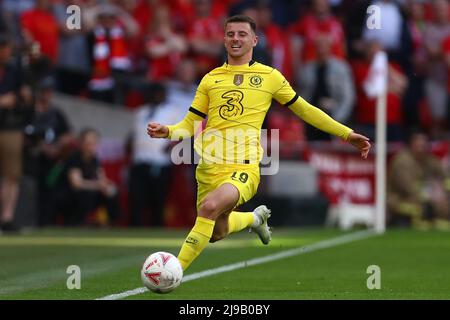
{"type": "Point", "coordinates": [217, 81]}
{"type": "Point", "coordinates": [191, 240]}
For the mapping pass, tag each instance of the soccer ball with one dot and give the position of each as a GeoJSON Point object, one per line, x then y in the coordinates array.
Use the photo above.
{"type": "Point", "coordinates": [161, 272]}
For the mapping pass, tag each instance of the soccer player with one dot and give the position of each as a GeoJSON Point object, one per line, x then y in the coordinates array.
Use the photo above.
{"type": "Point", "coordinates": [235, 98]}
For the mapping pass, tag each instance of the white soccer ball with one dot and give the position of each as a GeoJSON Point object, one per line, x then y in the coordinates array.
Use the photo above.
{"type": "Point", "coordinates": [161, 272]}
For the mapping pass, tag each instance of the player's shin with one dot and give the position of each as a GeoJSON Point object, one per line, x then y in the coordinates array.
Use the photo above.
{"type": "Point", "coordinates": [238, 221]}
{"type": "Point", "coordinates": [196, 241]}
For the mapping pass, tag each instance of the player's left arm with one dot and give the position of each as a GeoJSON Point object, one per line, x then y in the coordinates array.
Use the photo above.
{"type": "Point", "coordinates": [316, 117]}
{"type": "Point", "coordinates": [319, 119]}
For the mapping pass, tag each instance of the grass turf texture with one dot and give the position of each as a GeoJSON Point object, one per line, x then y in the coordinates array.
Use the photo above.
{"type": "Point", "coordinates": [414, 265]}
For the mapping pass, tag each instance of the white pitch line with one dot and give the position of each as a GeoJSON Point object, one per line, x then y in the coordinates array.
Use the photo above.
{"type": "Point", "coordinates": [253, 262]}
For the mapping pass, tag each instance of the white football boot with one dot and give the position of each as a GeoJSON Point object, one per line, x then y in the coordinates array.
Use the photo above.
{"type": "Point", "coordinates": [262, 230]}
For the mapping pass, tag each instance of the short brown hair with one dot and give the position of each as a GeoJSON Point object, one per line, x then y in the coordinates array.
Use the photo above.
{"type": "Point", "coordinates": [241, 18]}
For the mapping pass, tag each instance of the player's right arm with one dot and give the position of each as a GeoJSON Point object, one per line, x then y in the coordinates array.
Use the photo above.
{"type": "Point", "coordinates": [186, 127]}
{"type": "Point", "coordinates": [183, 129]}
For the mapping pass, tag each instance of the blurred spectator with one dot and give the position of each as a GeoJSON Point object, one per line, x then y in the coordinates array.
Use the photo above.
{"type": "Point", "coordinates": [89, 190]}
{"type": "Point", "coordinates": [366, 103]}
{"type": "Point", "coordinates": [135, 34]}
{"type": "Point", "coordinates": [283, 12]}
{"type": "Point", "coordinates": [150, 170]}
{"type": "Point", "coordinates": [49, 141]}
{"type": "Point", "coordinates": [355, 16]}
{"type": "Point", "coordinates": [435, 84]}
{"type": "Point", "coordinates": [278, 46]}
{"type": "Point", "coordinates": [392, 32]}
{"type": "Point", "coordinates": [164, 47]}
{"type": "Point", "coordinates": [143, 13]}
{"type": "Point", "coordinates": [446, 50]}
{"type": "Point", "coordinates": [125, 5]}
{"type": "Point", "coordinates": [35, 67]}
{"type": "Point", "coordinates": [11, 137]}
{"type": "Point", "coordinates": [416, 193]}
{"type": "Point", "coordinates": [416, 25]}
{"type": "Point", "coordinates": [109, 56]}
{"type": "Point", "coordinates": [415, 94]}
{"type": "Point", "coordinates": [180, 94]}
{"type": "Point", "coordinates": [11, 11]}
{"type": "Point", "coordinates": [122, 14]}
{"type": "Point", "coordinates": [319, 21]}
{"type": "Point", "coordinates": [184, 12]}
{"type": "Point", "coordinates": [327, 83]}
{"type": "Point", "coordinates": [41, 30]}
{"type": "Point", "coordinates": [181, 89]}
{"type": "Point", "coordinates": [205, 37]}
{"type": "Point", "coordinates": [73, 59]}
{"type": "Point", "coordinates": [3, 25]}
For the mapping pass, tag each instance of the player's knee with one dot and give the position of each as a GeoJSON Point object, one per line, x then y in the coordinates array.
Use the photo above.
{"type": "Point", "coordinates": [208, 209]}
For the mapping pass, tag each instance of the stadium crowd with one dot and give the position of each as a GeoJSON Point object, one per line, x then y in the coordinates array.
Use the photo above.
{"type": "Point", "coordinates": [153, 52]}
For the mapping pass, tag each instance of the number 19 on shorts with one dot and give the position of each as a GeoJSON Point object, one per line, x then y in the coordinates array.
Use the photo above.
{"type": "Point", "coordinates": [243, 176]}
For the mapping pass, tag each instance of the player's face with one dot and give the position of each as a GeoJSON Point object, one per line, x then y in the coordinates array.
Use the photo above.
{"type": "Point", "coordinates": [239, 39]}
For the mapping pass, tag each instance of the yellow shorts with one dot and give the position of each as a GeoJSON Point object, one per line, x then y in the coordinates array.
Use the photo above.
{"type": "Point", "coordinates": [245, 177]}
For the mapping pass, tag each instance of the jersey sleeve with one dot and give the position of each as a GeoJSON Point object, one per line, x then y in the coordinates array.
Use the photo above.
{"type": "Point", "coordinates": [201, 99]}
{"type": "Point", "coordinates": [197, 112]}
{"type": "Point", "coordinates": [319, 119]}
{"type": "Point", "coordinates": [186, 127]}
{"type": "Point", "coordinates": [283, 92]}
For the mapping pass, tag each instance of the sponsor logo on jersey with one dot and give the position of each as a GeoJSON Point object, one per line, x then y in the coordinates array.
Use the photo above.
{"type": "Point", "coordinates": [233, 104]}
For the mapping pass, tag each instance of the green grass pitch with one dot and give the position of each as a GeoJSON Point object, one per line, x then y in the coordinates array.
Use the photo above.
{"type": "Point", "coordinates": [413, 264]}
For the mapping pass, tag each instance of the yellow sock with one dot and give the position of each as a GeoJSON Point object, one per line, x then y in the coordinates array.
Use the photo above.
{"type": "Point", "coordinates": [239, 220]}
{"type": "Point", "coordinates": [196, 241]}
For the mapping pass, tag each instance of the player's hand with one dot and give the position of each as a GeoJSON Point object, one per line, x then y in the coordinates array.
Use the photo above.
{"type": "Point", "coordinates": [360, 142]}
{"type": "Point", "coordinates": [156, 130]}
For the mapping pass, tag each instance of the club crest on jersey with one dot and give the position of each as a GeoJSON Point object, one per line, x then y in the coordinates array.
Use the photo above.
{"type": "Point", "coordinates": [238, 79]}
{"type": "Point", "coordinates": [256, 81]}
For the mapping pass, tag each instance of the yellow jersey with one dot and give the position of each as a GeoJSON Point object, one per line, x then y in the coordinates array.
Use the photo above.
{"type": "Point", "coordinates": [235, 101]}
